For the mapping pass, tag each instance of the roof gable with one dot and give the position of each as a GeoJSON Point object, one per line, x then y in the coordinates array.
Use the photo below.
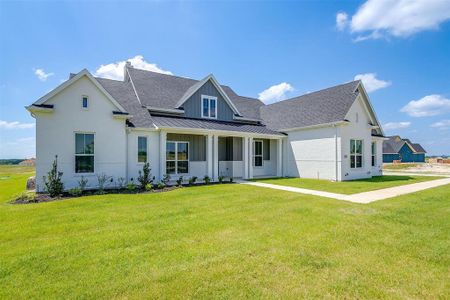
{"type": "Point", "coordinates": [71, 81]}
{"type": "Point", "coordinates": [369, 108]}
{"type": "Point", "coordinates": [199, 84]}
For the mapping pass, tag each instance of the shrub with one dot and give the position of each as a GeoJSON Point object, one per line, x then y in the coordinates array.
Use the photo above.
{"type": "Point", "coordinates": [75, 192]}
{"type": "Point", "coordinates": [206, 179]}
{"type": "Point", "coordinates": [131, 187]}
{"type": "Point", "coordinates": [192, 180]}
{"type": "Point", "coordinates": [180, 181]}
{"type": "Point", "coordinates": [82, 183]}
{"type": "Point", "coordinates": [148, 187]}
{"type": "Point", "coordinates": [27, 197]}
{"type": "Point", "coordinates": [102, 179]}
{"type": "Point", "coordinates": [161, 185]}
{"type": "Point", "coordinates": [166, 179]}
{"type": "Point", "coordinates": [231, 179]}
{"type": "Point", "coordinates": [52, 181]}
{"type": "Point", "coordinates": [221, 178]}
{"type": "Point", "coordinates": [120, 182]}
{"type": "Point", "coordinates": [144, 175]}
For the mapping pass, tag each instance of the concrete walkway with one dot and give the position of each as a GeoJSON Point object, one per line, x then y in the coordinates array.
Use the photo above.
{"type": "Point", "coordinates": [365, 197]}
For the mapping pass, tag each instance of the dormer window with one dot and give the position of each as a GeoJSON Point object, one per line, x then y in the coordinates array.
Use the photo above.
{"type": "Point", "coordinates": [85, 102]}
{"type": "Point", "coordinates": [209, 107]}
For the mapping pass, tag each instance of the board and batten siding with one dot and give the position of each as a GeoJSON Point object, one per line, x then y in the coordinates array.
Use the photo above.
{"type": "Point", "coordinates": [193, 106]}
{"type": "Point", "coordinates": [197, 145]}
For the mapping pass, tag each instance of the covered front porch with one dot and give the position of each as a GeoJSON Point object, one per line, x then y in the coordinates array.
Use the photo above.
{"type": "Point", "coordinates": [219, 154]}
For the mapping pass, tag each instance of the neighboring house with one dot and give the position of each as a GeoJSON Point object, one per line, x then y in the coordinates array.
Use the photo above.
{"type": "Point", "coordinates": [28, 162]}
{"type": "Point", "coordinates": [396, 148]}
{"type": "Point", "coordinates": [184, 127]}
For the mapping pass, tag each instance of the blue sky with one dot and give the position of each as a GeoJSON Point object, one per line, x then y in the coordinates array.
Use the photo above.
{"type": "Point", "coordinates": [401, 49]}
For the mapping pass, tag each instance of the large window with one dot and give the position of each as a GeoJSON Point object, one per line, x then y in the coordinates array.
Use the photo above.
{"type": "Point", "coordinates": [374, 153]}
{"type": "Point", "coordinates": [177, 158]}
{"type": "Point", "coordinates": [142, 149]}
{"type": "Point", "coordinates": [356, 153]}
{"type": "Point", "coordinates": [209, 107]}
{"type": "Point", "coordinates": [84, 152]}
{"type": "Point", "coordinates": [257, 153]}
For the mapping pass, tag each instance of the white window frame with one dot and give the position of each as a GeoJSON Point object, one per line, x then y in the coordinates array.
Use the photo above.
{"type": "Point", "coordinates": [75, 154]}
{"type": "Point", "coordinates": [262, 153]}
{"type": "Point", "coordinates": [176, 160]}
{"type": "Point", "coordinates": [210, 99]}
{"type": "Point", "coordinates": [357, 154]}
{"type": "Point", "coordinates": [87, 102]}
{"type": "Point", "coordinates": [146, 149]}
{"type": "Point", "coordinates": [373, 149]}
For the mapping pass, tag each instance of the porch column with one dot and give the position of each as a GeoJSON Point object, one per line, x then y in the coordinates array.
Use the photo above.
{"type": "Point", "coordinates": [215, 176]}
{"type": "Point", "coordinates": [250, 158]}
{"type": "Point", "coordinates": [162, 153]}
{"type": "Point", "coordinates": [209, 154]}
{"type": "Point", "coordinates": [279, 157]}
{"type": "Point", "coordinates": [245, 155]}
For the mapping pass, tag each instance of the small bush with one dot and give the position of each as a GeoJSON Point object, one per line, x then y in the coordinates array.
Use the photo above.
{"type": "Point", "coordinates": [131, 187]}
{"type": "Point", "coordinates": [82, 183]}
{"type": "Point", "coordinates": [180, 181]}
{"type": "Point", "coordinates": [221, 178]}
{"type": "Point", "coordinates": [192, 180]}
{"type": "Point", "coordinates": [166, 179]}
{"type": "Point", "coordinates": [231, 179]}
{"type": "Point", "coordinates": [102, 179]}
{"type": "Point", "coordinates": [28, 197]}
{"type": "Point", "coordinates": [206, 179]}
{"type": "Point", "coordinates": [75, 192]}
{"type": "Point", "coordinates": [161, 185]}
{"type": "Point", "coordinates": [53, 182]}
{"type": "Point", "coordinates": [120, 182]}
{"type": "Point", "coordinates": [144, 176]}
{"type": "Point", "coordinates": [148, 187]}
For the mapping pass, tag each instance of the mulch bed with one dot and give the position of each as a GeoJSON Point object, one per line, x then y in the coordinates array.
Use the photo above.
{"type": "Point", "coordinates": [42, 197]}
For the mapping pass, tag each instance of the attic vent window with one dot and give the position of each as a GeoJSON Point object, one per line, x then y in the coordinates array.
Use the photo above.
{"type": "Point", "coordinates": [84, 102]}
{"type": "Point", "coordinates": [209, 107]}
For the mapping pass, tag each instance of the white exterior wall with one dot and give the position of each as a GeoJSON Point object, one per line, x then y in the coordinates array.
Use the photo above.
{"type": "Point", "coordinates": [55, 134]}
{"type": "Point", "coordinates": [269, 167]}
{"type": "Point", "coordinates": [361, 130]}
{"type": "Point", "coordinates": [152, 153]}
{"type": "Point", "coordinates": [377, 170]}
{"type": "Point", "coordinates": [311, 153]}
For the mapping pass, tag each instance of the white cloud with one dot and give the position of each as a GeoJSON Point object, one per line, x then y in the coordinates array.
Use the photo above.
{"type": "Point", "coordinates": [341, 20]}
{"type": "Point", "coordinates": [444, 124]}
{"type": "Point", "coordinates": [371, 82]}
{"type": "Point", "coordinates": [275, 93]}
{"type": "Point", "coordinates": [398, 18]}
{"type": "Point", "coordinates": [396, 125]}
{"type": "Point", "coordinates": [15, 125]}
{"type": "Point", "coordinates": [428, 106]}
{"type": "Point", "coordinates": [115, 70]}
{"type": "Point", "coordinates": [40, 73]}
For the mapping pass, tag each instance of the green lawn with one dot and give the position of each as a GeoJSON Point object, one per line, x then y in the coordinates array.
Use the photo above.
{"type": "Point", "coordinates": [348, 187]}
{"type": "Point", "coordinates": [225, 241]}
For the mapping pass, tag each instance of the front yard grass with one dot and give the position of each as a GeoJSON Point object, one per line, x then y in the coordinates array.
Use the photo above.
{"type": "Point", "coordinates": [400, 166]}
{"type": "Point", "coordinates": [348, 187]}
{"type": "Point", "coordinates": [225, 241]}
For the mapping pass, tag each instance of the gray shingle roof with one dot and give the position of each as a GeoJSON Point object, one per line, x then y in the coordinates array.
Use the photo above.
{"type": "Point", "coordinates": [123, 93]}
{"type": "Point", "coordinates": [418, 148]}
{"type": "Point", "coordinates": [325, 106]}
{"type": "Point", "coordinates": [181, 122]}
{"type": "Point", "coordinates": [395, 143]}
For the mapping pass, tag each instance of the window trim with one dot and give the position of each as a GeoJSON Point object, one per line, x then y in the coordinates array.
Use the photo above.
{"type": "Point", "coordinates": [75, 154]}
{"type": "Point", "coordinates": [373, 153]}
{"type": "Point", "coordinates": [146, 149]}
{"type": "Point", "coordinates": [357, 154]}
{"type": "Point", "coordinates": [87, 102]}
{"type": "Point", "coordinates": [210, 98]}
{"type": "Point", "coordinates": [176, 157]}
{"type": "Point", "coordinates": [259, 155]}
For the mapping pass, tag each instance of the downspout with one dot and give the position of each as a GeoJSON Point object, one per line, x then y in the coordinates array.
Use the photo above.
{"type": "Point", "coordinates": [126, 153]}
{"type": "Point", "coordinates": [335, 152]}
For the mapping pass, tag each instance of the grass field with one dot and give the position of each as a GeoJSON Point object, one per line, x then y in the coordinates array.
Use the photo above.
{"type": "Point", "coordinates": [402, 166]}
{"type": "Point", "coordinates": [224, 241]}
{"type": "Point", "coordinates": [348, 187]}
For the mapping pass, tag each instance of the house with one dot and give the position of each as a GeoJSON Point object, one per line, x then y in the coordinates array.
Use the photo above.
{"type": "Point", "coordinates": [396, 148]}
{"type": "Point", "coordinates": [185, 127]}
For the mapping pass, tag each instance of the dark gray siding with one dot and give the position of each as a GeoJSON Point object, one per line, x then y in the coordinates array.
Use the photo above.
{"type": "Point", "coordinates": [197, 145]}
{"type": "Point", "coordinates": [192, 107]}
